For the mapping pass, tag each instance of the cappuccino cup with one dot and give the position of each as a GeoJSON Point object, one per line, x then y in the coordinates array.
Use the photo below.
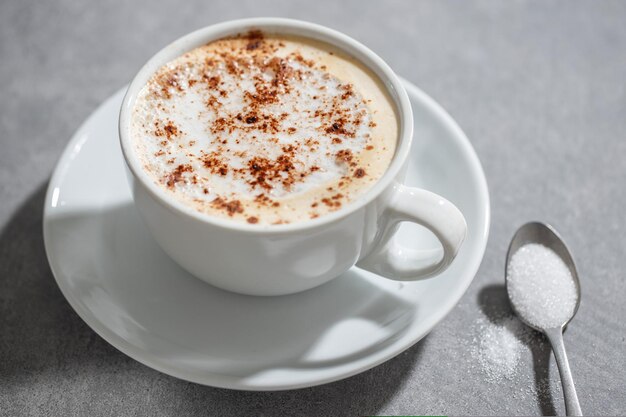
{"type": "Point", "coordinates": [267, 156]}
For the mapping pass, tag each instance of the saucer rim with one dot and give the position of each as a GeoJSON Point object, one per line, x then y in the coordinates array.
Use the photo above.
{"type": "Point", "coordinates": [230, 382]}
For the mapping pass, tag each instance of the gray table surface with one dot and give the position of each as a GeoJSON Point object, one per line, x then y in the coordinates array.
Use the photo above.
{"type": "Point", "coordinates": [539, 87]}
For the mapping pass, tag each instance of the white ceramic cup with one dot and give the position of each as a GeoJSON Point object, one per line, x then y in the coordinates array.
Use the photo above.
{"type": "Point", "coordinates": [284, 259]}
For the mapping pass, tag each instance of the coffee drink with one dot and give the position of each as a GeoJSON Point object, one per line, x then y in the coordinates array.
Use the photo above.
{"type": "Point", "coordinates": [264, 129]}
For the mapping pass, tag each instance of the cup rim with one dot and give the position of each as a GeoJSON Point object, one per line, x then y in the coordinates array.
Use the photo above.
{"type": "Point", "coordinates": [271, 25]}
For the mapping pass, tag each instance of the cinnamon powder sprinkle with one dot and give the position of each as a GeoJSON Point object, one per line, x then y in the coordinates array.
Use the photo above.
{"type": "Point", "coordinates": [214, 163]}
{"type": "Point", "coordinates": [176, 175]}
{"type": "Point", "coordinates": [231, 207]}
{"type": "Point", "coordinates": [344, 155]}
{"type": "Point", "coordinates": [268, 173]}
{"type": "Point", "coordinates": [330, 203]}
{"type": "Point", "coordinates": [170, 130]}
{"type": "Point", "coordinates": [339, 127]}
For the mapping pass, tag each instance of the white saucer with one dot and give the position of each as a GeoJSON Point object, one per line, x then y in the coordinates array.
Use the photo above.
{"type": "Point", "coordinates": [123, 286]}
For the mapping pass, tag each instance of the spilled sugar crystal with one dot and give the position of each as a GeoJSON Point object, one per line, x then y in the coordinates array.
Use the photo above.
{"type": "Point", "coordinates": [499, 346]}
{"type": "Point", "coordinates": [541, 286]}
{"type": "Point", "coordinates": [510, 354]}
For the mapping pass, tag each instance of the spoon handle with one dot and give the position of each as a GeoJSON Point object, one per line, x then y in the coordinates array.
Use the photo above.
{"type": "Point", "coordinates": [572, 407]}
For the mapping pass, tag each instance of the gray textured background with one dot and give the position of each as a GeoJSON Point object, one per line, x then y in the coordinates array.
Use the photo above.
{"type": "Point", "coordinates": [539, 87]}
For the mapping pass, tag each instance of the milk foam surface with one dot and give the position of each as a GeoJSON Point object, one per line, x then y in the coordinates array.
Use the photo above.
{"type": "Point", "coordinates": [262, 129]}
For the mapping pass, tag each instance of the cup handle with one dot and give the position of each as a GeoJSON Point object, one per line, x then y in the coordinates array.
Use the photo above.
{"type": "Point", "coordinates": [425, 208]}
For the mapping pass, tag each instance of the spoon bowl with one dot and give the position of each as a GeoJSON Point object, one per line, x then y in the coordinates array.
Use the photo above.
{"type": "Point", "coordinates": [546, 235]}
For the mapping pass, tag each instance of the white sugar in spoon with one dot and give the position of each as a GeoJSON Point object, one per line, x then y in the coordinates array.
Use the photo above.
{"type": "Point", "coordinates": [543, 287]}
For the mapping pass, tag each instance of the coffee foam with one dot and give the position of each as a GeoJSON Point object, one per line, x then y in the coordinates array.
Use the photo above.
{"type": "Point", "coordinates": [264, 129]}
